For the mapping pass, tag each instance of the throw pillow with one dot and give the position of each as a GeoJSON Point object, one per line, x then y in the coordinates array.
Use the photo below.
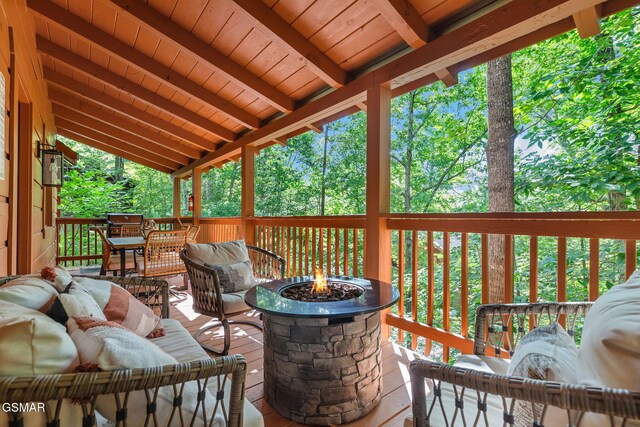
{"type": "Point", "coordinates": [74, 301]}
{"type": "Point", "coordinates": [218, 253]}
{"type": "Point", "coordinates": [30, 292]}
{"type": "Point", "coordinates": [110, 346]}
{"type": "Point", "coordinates": [118, 305]}
{"type": "Point", "coordinates": [234, 277]}
{"type": "Point", "coordinates": [33, 344]}
{"type": "Point", "coordinates": [609, 354]}
{"type": "Point", "coordinates": [546, 353]}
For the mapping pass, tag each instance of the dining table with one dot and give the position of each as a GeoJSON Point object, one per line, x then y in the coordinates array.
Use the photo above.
{"type": "Point", "coordinates": [123, 244]}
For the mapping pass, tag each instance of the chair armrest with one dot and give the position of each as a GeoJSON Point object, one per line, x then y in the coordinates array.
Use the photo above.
{"type": "Point", "coordinates": [266, 264]}
{"type": "Point", "coordinates": [612, 402]}
{"type": "Point", "coordinates": [503, 320]}
{"type": "Point", "coordinates": [152, 292]}
{"type": "Point", "coordinates": [83, 388]}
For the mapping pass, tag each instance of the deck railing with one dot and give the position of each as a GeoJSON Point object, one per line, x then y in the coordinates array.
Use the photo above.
{"type": "Point", "coordinates": [439, 262]}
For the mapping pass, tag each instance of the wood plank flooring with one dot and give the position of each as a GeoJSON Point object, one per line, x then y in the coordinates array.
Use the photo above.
{"type": "Point", "coordinates": [247, 340]}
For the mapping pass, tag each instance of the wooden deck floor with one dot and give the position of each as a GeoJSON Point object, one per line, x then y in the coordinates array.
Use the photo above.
{"type": "Point", "coordinates": [247, 341]}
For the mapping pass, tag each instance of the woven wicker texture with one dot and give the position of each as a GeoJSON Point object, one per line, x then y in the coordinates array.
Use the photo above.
{"type": "Point", "coordinates": [84, 388]}
{"type": "Point", "coordinates": [130, 231]}
{"type": "Point", "coordinates": [500, 328]}
{"type": "Point", "coordinates": [161, 256]}
{"type": "Point", "coordinates": [111, 257]}
{"type": "Point", "coordinates": [207, 294]}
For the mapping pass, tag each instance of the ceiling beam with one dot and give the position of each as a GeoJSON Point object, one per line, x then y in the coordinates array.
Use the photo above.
{"type": "Point", "coordinates": [407, 22]}
{"type": "Point", "coordinates": [118, 82]}
{"type": "Point", "coordinates": [116, 133]}
{"type": "Point", "coordinates": [136, 59]}
{"type": "Point", "coordinates": [274, 26]}
{"type": "Point", "coordinates": [173, 33]}
{"type": "Point", "coordinates": [587, 22]}
{"type": "Point", "coordinates": [512, 20]}
{"type": "Point", "coordinates": [447, 76]}
{"type": "Point", "coordinates": [107, 147]}
{"type": "Point", "coordinates": [80, 89]}
{"type": "Point", "coordinates": [87, 109]}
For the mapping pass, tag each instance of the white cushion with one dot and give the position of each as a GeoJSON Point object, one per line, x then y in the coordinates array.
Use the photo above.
{"type": "Point", "coordinates": [111, 347]}
{"type": "Point", "coordinates": [33, 344]}
{"type": "Point", "coordinates": [30, 292]}
{"type": "Point", "coordinates": [181, 345]}
{"type": "Point", "coordinates": [545, 353]}
{"type": "Point", "coordinates": [218, 253]}
{"type": "Point", "coordinates": [609, 354]}
{"type": "Point", "coordinates": [75, 301]}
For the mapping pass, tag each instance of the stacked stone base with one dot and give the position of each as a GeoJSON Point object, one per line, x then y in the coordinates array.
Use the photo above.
{"type": "Point", "coordinates": [322, 371]}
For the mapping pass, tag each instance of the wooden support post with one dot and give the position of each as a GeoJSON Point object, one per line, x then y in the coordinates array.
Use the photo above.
{"type": "Point", "coordinates": [25, 188]}
{"type": "Point", "coordinates": [587, 22]}
{"type": "Point", "coordinates": [196, 185]}
{"type": "Point", "coordinates": [248, 194]}
{"type": "Point", "coordinates": [177, 205]}
{"type": "Point", "coordinates": [377, 263]}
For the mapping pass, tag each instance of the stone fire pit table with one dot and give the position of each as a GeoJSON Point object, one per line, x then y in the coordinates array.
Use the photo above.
{"type": "Point", "coordinates": [322, 359]}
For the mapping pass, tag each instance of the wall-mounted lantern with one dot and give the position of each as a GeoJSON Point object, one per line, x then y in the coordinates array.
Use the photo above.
{"type": "Point", "coordinates": [52, 165]}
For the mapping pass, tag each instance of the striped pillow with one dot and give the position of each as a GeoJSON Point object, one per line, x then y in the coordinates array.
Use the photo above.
{"type": "Point", "coordinates": [119, 306]}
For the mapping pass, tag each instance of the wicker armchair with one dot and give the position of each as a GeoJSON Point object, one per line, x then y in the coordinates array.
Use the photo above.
{"type": "Point", "coordinates": [499, 328]}
{"type": "Point", "coordinates": [161, 254]}
{"type": "Point", "coordinates": [84, 388]}
{"type": "Point", "coordinates": [111, 258]}
{"type": "Point", "coordinates": [209, 300]}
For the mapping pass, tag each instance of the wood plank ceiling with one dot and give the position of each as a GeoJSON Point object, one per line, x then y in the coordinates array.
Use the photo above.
{"type": "Point", "coordinates": [177, 84]}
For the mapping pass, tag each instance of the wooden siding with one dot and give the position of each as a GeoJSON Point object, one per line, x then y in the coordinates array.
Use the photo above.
{"type": "Point", "coordinates": [34, 241]}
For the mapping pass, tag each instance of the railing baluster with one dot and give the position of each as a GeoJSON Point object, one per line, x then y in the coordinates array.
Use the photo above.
{"type": "Point", "coordinates": [533, 275]}
{"type": "Point", "coordinates": [631, 255]}
{"type": "Point", "coordinates": [301, 251]}
{"type": "Point", "coordinates": [320, 263]}
{"type": "Point", "coordinates": [329, 246]}
{"type": "Point", "coordinates": [484, 262]}
{"type": "Point", "coordinates": [294, 251]}
{"type": "Point", "coordinates": [414, 284]}
{"type": "Point", "coordinates": [464, 284]}
{"type": "Point", "coordinates": [401, 281]}
{"type": "Point", "coordinates": [336, 269]}
{"type": "Point", "coordinates": [508, 268]}
{"type": "Point", "coordinates": [345, 252]}
{"type": "Point", "coordinates": [306, 251]}
{"type": "Point", "coordinates": [594, 269]}
{"type": "Point", "coordinates": [314, 248]}
{"type": "Point", "coordinates": [562, 274]}
{"type": "Point", "coordinates": [446, 294]}
{"type": "Point", "coordinates": [431, 278]}
{"type": "Point", "coordinates": [356, 251]}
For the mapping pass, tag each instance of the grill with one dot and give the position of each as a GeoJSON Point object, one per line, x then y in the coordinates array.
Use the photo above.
{"type": "Point", "coordinates": [116, 220]}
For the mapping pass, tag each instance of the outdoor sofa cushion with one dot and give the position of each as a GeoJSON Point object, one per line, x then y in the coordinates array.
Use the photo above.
{"type": "Point", "coordinates": [222, 253]}
{"type": "Point", "coordinates": [234, 277]}
{"type": "Point", "coordinates": [609, 354]}
{"type": "Point", "coordinates": [30, 292]}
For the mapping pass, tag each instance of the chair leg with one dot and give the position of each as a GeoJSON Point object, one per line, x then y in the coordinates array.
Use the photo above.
{"type": "Point", "coordinates": [227, 334]}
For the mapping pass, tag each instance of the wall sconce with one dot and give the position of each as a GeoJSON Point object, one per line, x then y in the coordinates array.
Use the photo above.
{"type": "Point", "coordinates": [52, 165]}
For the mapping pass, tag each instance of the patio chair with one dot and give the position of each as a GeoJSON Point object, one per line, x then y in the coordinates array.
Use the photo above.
{"type": "Point", "coordinates": [192, 233]}
{"type": "Point", "coordinates": [111, 258]}
{"type": "Point", "coordinates": [130, 230]}
{"type": "Point", "coordinates": [161, 256]}
{"type": "Point", "coordinates": [210, 300]}
{"type": "Point", "coordinates": [477, 387]}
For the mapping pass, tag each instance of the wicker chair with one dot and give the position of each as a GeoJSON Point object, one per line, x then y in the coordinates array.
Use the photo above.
{"type": "Point", "coordinates": [192, 233]}
{"type": "Point", "coordinates": [130, 231]}
{"type": "Point", "coordinates": [84, 388]}
{"type": "Point", "coordinates": [209, 300]}
{"type": "Point", "coordinates": [161, 254]}
{"type": "Point", "coordinates": [111, 258]}
{"type": "Point", "coordinates": [498, 328]}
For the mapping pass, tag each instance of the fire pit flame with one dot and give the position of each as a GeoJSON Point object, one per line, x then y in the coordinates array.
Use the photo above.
{"type": "Point", "coordinates": [319, 285]}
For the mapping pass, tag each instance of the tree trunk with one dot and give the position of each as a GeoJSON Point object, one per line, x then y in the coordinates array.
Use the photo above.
{"type": "Point", "coordinates": [407, 173]}
{"type": "Point", "coordinates": [323, 191]}
{"type": "Point", "coordinates": [500, 143]}
{"type": "Point", "coordinates": [118, 171]}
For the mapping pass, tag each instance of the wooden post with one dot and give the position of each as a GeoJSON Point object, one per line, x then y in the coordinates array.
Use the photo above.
{"type": "Point", "coordinates": [177, 206]}
{"type": "Point", "coordinates": [25, 188]}
{"type": "Point", "coordinates": [196, 188]}
{"type": "Point", "coordinates": [377, 263]}
{"type": "Point", "coordinates": [248, 194]}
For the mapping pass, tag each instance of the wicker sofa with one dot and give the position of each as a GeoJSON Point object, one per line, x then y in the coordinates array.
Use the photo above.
{"type": "Point", "coordinates": [500, 327]}
{"type": "Point", "coordinates": [224, 377]}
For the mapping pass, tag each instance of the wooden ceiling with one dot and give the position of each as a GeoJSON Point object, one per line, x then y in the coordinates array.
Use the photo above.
{"type": "Point", "coordinates": [178, 84]}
